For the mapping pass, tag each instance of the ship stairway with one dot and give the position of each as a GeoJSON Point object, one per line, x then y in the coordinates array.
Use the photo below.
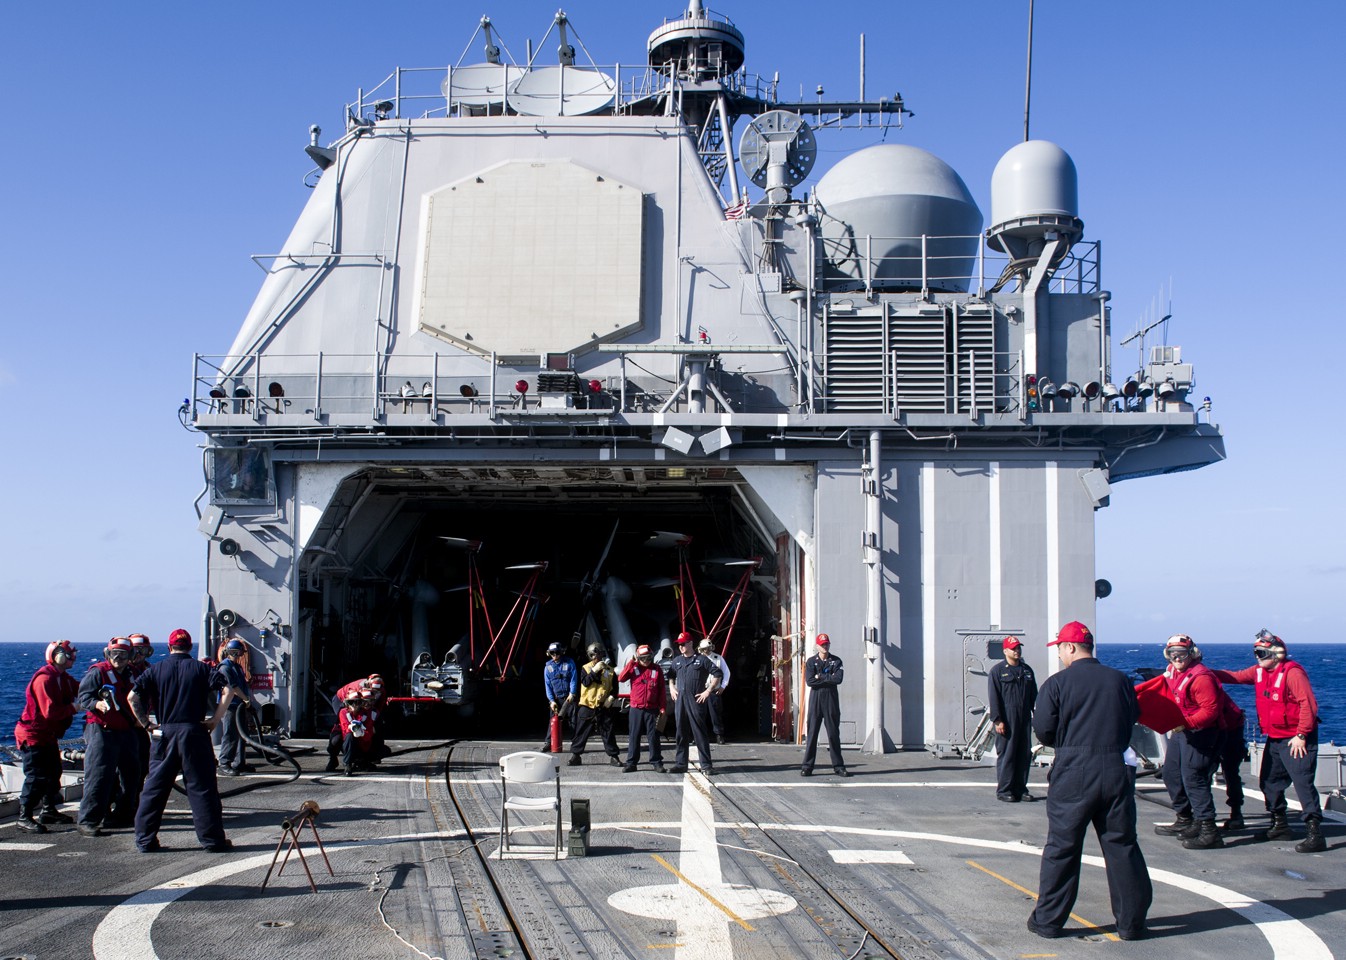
{"type": "Point", "coordinates": [711, 149]}
{"type": "Point", "coordinates": [909, 360]}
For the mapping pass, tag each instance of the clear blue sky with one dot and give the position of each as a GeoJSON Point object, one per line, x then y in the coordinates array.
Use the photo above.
{"type": "Point", "coordinates": [152, 147]}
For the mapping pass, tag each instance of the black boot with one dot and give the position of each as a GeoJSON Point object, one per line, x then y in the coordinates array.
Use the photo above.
{"type": "Point", "coordinates": [1206, 837]}
{"type": "Point", "coordinates": [1279, 829]}
{"type": "Point", "coordinates": [1235, 821]}
{"type": "Point", "coordinates": [1178, 828]}
{"type": "Point", "coordinates": [1313, 841]}
{"type": "Point", "coordinates": [49, 814]}
{"type": "Point", "coordinates": [29, 825]}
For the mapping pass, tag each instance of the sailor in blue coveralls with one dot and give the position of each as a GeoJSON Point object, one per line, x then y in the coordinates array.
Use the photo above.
{"type": "Point", "coordinates": [1085, 713]}
{"type": "Point", "coordinates": [179, 688]}
{"type": "Point", "coordinates": [823, 673]}
{"type": "Point", "coordinates": [1012, 689]}
{"type": "Point", "coordinates": [693, 679]}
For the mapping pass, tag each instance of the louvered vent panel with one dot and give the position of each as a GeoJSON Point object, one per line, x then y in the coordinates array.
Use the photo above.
{"type": "Point", "coordinates": [974, 363]}
{"type": "Point", "coordinates": [853, 367]}
{"type": "Point", "coordinates": [919, 348]}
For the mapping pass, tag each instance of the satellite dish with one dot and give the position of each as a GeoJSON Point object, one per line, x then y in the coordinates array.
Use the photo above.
{"type": "Point", "coordinates": [784, 128]}
{"type": "Point", "coordinates": [227, 618]}
{"type": "Point", "coordinates": [481, 84]}
{"type": "Point", "coordinates": [562, 92]}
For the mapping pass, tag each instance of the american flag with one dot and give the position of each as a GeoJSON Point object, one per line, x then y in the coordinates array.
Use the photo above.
{"type": "Point", "coordinates": [737, 210]}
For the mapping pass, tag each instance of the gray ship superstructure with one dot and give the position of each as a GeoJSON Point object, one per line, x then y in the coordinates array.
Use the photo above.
{"type": "Point", "coordinates": [570, 332]}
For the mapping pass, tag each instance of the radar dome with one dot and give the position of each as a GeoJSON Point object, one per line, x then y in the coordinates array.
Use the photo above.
{"type": "Point", "coordinates": [878, 204]}
{"type": "Point", "coordinates": [1034, 191]}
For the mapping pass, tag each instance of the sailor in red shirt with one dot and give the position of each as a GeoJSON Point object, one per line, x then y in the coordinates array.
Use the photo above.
{"type": "Point", "coordinates": [49, 706]}
{"type": "Point", "coordinates": [648, 695]}
{"type": "Point", "coordinates": [357, 732]}
{"type": "Point", "coordinates": [1193, 753]}
{"type": "Point", "coordinates": [334, 741]}
{"type": "Point", "coordinates": [1288, 714]}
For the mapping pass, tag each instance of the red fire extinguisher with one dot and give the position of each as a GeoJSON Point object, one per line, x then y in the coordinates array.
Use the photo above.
{"type": "Point", "coordinates": [555, 733]}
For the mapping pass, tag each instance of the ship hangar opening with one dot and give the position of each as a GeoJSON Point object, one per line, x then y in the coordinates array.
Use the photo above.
{"type": "Point", "coordinates": [446, 562]}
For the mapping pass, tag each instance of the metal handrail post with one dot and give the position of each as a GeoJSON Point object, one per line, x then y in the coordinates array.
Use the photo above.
{"type": "Point", "coordinates": [925, 280]}
{"type": "Point", "coordinates": [491, 407]}
{"type": "Point", "coordinates": [256, 386]}
{"type": "Point", "coordinates": [397, 93]}
{"type": "Point", "coordinates": [317, 391]}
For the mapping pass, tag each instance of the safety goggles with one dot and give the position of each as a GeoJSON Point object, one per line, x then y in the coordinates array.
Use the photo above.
{"type": "Point", "coordinates": [118, 657]}
{"type": "Point", "coordinates": [1178, 653]}
{"type": "Point", "coordinates": [1264, 653]}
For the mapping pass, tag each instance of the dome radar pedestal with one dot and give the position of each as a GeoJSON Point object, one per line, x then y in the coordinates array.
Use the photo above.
{"type": "Point", "coordinates": [1034, 200]}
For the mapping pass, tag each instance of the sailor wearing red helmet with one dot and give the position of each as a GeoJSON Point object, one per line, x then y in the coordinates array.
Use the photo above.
{"type": "Point", "coordinates": [355, 688]}
{"type": "Point", "coordinates": [357, 730]}
{"type": "Point", "coordinates": [111, 753]}
{"type": "Point", "coordinates": [141, 651]}
{"type": "Point", "coordinates": [1287, 711]}
{"type": "Point", "coordinates": [823, 673]}
{"type": "Point", "coordinates": [49, 706]}
{"type": "Point", "coordinates": [180, 688]}
{"type": "Point", "coordinates": [1193, 752]}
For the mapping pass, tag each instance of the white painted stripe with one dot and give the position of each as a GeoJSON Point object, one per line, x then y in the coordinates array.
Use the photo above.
{"type": "Point", "coordinates": [993, 553]}
{"type": "Point", "coordinates": [18, 846]}
{"type": "Point", "coordinates": [1053, 559]}
{"type": "Point", "coordinates": [927, 548]}
{"type": "Point", "coordinates": [869, 856]}
{"type": "Point", "coordinates": [1290, 939]}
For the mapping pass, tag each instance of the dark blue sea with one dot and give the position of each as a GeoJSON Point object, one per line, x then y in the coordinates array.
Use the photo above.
{"type": "Point", "coordinates": [1325, 663]}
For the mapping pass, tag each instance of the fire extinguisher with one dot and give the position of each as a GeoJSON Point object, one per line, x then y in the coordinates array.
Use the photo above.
{"type": "Point", "coordinates": [555, 733]}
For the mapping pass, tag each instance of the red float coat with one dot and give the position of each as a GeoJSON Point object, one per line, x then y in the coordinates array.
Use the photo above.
{"type": "Point", "coordinates": [48, 708]}
{"type": "Point", "coordinates": [119, 719]}
{"type": "Point", "coordinates": [1202, 700]}
{"type": "Point", "coordinates": [1286, 706]}
{"type": "Point", "coordinates": [647, 686]}
{"type": "Point", "coordinates": [346, 717]}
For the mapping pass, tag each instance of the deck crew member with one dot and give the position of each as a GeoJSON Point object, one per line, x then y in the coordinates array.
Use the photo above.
{"type": "Point", "coordinates": [1085, 713]}
{"type": "Point", "coordinates": [111, 748]}
{"type": "Point", "coordinates": [561, 681]}
{"type": "Point", "coordinates": [598, 687]}
{"type": "Point", "coordinates": [338, 702]}
{"type": "Point", "coordinates": [49, 706]}
{"type": "Point", "coordinates": [357, 732]}
{"type": "Point", "coordinates": [823, 673]}
{"type": "Point", "coordinates": [1012, 692]}
{"type": "Point", "coordinates": [180, 689]}
{"type": "Point", "coordinates": [716, 701]}
{"type": "Point", "coordinates": [1194, 748]}
{"type": "Point", "coordinates": [692, 681]}
{"type": "Point", "coordinates": [1288, 714]}
{"type": "Point", "coordinates": [231, 674]}
{"type": "Point", "coordinates": [141, 650]}
{"type": "Point", "coordinates": [648, 696]}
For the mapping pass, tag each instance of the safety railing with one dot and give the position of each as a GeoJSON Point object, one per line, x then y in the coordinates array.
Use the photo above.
{"type": "Point", "coordinates": [942, 263]}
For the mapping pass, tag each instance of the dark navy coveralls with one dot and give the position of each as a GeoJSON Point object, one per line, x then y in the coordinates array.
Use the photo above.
{"type": "Point", "coordinates": [231, 735]}
{"type": "Point", "coordinates": [1086, 712]}
{"type": "Point", "coordinates": [179, 687]}
{"type": "Point", "coordinates": [822, 678]}
{"type": "Point", "coordinates": [1013, 690]}
{"type": "Point", "coordinates": [690, 675]}
{"type": "Point", "coordinates": [111, 750]}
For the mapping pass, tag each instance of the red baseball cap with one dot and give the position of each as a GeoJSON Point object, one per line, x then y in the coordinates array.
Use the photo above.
{"type": "Point", "coordinates": [823, 640]}
{"type": "Point", "coordinates": [1073, 632]}
{"type": "Point", "coordinates": [1009, 643]}
{"type": "Point", "coordinates": [684, 637]}
{"type": "Point", "coordinates": [179, 638]}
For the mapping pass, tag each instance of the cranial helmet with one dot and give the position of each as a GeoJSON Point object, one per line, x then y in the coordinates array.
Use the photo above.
{"type": "Point", "coordinates": [595, 650]}
{"type": "Point", "coordinates": [60, 653]}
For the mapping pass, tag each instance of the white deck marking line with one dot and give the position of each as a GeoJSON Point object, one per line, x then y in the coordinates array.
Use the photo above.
{"type": "Point", "coordinates": [869, 856]}
{"type": "Point", "coordinates": [1289, 939]}
{"type": "Point", "coordinates": [702, 903]}
{"type": "Point", "coordinates": [20, 846]}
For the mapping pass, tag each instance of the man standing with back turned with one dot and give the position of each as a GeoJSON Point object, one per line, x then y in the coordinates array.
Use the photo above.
{"type": "Point", "coordinates": [179, 688]}
{"type": "Point", "coordinates": [1085, 713]}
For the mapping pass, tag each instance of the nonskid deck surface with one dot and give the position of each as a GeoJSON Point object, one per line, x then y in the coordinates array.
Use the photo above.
{"type": "Point", "coordinates": [911, 857]}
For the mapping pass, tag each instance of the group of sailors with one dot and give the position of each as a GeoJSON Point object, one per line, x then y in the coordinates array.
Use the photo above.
{"type": "Point", "coordinates": [355, 741]}
{"type": "Point", "coordinates": [1087, 712]}
{"type": "Point", "coordinates": [689, 687]}
{"type": "Point", "coordinates": [131, 761]}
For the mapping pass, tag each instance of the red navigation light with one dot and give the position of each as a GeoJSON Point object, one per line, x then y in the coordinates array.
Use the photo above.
{"type": "Point", "coordinates": [521, 386]}
{"type": "Point", "coordinates": [1032, 379]}
{"type": "Point", "coordinates": [595, 386]}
